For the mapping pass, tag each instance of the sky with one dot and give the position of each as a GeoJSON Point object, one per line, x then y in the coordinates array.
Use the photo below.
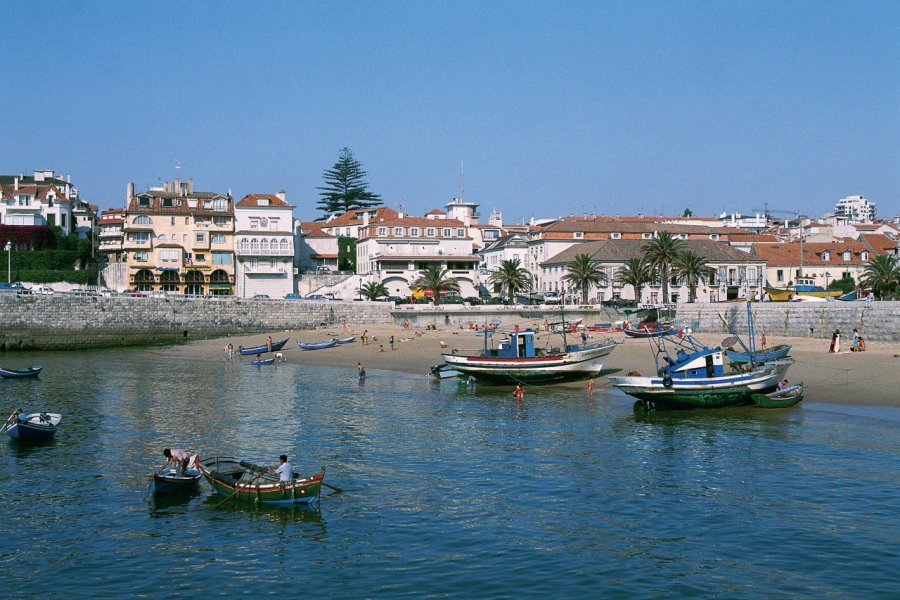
{"type": "Point", "coordinates": [533, 109]}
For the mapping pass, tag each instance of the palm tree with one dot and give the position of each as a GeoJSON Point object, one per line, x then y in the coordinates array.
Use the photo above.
{"type": "Point", "coordinates": [512, 277]}
{"type": "Point", "coordinates": [881, 275]}
{"type": "Point", "coordinates": [660, 253]}
{"type": "Point", "coordinates": [582, 273]}
{"type": "Point", "coordinates": [637, 273]}
{"type": "Point", "coordinates": [691, 269]}
{"type": "Point", "coordinates": [434, 278]}
{"type": "Point", "coordinates": [374, 291]}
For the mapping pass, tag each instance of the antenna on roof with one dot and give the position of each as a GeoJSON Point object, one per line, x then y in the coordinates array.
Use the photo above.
{"type": "Point", "coordinates": [462, 180]}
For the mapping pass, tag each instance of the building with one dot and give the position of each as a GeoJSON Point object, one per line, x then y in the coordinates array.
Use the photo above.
{"type": "Point", "coordinates": [737, 274]}
{"type": "Point", "coordinates": [854, 209]}
{"type": "Point", "coordinates": [109, 248]}
{"type": "Point", "coordinates": [39, 199]}
{"type": "Point", "coordinates": [264, 246]}
{"type": "Point", "coordinates": [824, 262]}
{"type": "Point", "coordinates": [179, 241]}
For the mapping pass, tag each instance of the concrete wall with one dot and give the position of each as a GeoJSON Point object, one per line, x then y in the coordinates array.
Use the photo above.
{"type": "Point", "coordinates": [64, 322]}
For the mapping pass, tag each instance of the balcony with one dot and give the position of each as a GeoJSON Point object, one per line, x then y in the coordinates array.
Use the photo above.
{"type": "Point", "coordinates": [268, 252]}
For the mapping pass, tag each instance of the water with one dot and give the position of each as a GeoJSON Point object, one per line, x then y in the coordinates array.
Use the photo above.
{"type": "Point", "coordinates": [448, 493]}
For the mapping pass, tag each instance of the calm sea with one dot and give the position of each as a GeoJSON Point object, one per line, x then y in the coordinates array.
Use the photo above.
{"type": "Point", "coordinates": [448, 493]}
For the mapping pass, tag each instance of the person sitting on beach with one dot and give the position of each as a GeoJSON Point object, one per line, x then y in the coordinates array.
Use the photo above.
{"type": "Point", "coordinates": [861, 346]}
{"type": "Point", "coordinates": [284, 470]}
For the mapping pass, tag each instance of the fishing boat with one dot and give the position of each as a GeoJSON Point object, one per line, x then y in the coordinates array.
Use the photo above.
{"type": "Point", "coordinates": [346, 340]}
{"type": "Point", "coordinates": [263, 348]}
{"type": "Point", "coordinates": [690, 374]}
{"type": "Point", "coordinates": [317, 345]}
{"type": "Point", "coordinates": [259, 362]}
{"type": "Point", "coordinates": [789, 396]}
{"type": "Point", "coordinates": [646, 330]}
{"type": "Point", "coordinates": [774, 353]}
{"type": "Point", "coordinates": [516, 359]}
{"type": "Point", "coordinates": [246, 481]}
{"type": "Point", "coordinates": [34, 427]}
{"type": "Point", "coordinates": [31, 371]}
{"type": "Point", "coordinates": [805, 286]}
{"type": "Point", "coordinates": [171, 483]}
{"type": "Point", "coordinates": [444, 371]}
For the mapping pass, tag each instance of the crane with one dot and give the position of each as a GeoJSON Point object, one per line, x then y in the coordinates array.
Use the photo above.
{"type": "Point", "coordinates": [766, 212]}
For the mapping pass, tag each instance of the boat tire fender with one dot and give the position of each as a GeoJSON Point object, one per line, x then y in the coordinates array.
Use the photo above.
{"type": "Point", "coordinates": [667, 381]}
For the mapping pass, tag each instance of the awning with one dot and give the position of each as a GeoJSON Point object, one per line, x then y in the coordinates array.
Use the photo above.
{"type": "Point", "coordinates": [220, 286]}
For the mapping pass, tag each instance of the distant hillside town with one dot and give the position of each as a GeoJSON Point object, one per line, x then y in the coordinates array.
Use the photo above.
{"type": "Point", "coordinates": [174, 239]}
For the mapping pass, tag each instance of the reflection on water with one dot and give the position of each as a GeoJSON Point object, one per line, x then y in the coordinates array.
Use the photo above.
{"type": "Point", "coordinates": [447, 491]}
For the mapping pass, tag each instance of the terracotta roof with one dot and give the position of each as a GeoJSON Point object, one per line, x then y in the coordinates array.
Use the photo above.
{"type": "Point", "coordinates": [787, 254]}
{"type": "Point", "coordinates": [880, 243]}
{"type": "Point", "coordinates": [354, 217]}
{"type": "Point", "coordinates": [617, 251]}
{"type": "Point", "coordinates": [253, 200]}
{"type": "Point", "coordinates": [435, 211]}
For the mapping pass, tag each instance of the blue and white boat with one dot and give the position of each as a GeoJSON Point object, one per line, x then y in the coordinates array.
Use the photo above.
{"type": "Point", "coordinates": [276, 346]}
{"type": "Point", "coordinates": [318, 345]}
{"type": "Point", "coordinates": [34, 427]}
{"type": "Point", "coordinates": [690, 374]}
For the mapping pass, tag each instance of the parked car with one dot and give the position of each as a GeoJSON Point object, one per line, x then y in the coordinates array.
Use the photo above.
{"type": "Point", "coordinates": [15, 286]}
{"type": "Point", "coordinates": [315, 297]}
{"type": "Point", "coordinates": [82, 293]}
{"type": "Point", "coordinates": [156, 294]}
{"type": "Point", "coordinates": [293, 297]}
{"type": "Point", "coordinates": [261, 297]}
{"type": "Point", "coordinates": [43, 290]}
{"type": "Point", "coordinates": [323, 269]}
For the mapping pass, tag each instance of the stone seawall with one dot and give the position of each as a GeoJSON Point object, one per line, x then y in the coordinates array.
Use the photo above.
{"type": "Point", "coordinates": [64, 322]}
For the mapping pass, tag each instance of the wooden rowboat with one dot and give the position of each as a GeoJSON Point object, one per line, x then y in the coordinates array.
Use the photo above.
{"type": "Point", "coordinates": [170, 483]}
{"type": "Point", "coordinates": [773, 353]}
{"type": "Point", "coordinates": [31, 371]}
{"type": "Point", "coordinates": [276, 346]}
{"type": "Point", "coordinates": [346, 340]}
{"type": "Point", "coordinates": [34, 427]}
{"type": "Point", "coordinates": [262, 361]}
{"type": "Point", "coordinates": [247, 482]}
{"type": "Point", "coordinates": [317, 345]}
{"type": "Point", "coordinates": [789, 396]}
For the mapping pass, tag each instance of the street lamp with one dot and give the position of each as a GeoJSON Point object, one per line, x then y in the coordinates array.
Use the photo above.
{"type": "Point", "coordinates": [9, 262]}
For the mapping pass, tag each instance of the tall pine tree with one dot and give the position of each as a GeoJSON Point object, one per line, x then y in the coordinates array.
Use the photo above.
{"type": "Point", "coordinates": [345, 187]}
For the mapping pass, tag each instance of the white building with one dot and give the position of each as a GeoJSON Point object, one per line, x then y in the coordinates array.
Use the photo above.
{"type": "Point", "coordinates": [854, 209]}
{"type": "Point", "coordinates": [264, 246]}
{"type": "Point", "coordinates": [41, 199]}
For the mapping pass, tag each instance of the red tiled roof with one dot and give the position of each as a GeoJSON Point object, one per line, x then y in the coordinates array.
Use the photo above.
{"type": "Point", "coordinates": [253, 200]}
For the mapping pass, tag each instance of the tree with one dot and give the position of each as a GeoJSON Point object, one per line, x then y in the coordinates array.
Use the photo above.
{"type": "Point", "coordinates": [660, 253]}
{"type": "Point", "coordinates": [582, 273]}
{"type": "Point", "coordinates": [345, 187]}
{"type": "Point", "coordinates": [844, 284]}
{"type": "Point", "coordinates": [374, 291]}
{"type": "Point", "coordinates": [881, 275]}
{"type": "Point", "coordinates": [688, 213]}
{"type": "Point", "coordinates": [434, 278]}
{"type": "Point", "coordinates": [637, 273]}
{"type": "Point", "coordinates": [691, 269]}
{"type": "Point", "coordinates": [512, 277]}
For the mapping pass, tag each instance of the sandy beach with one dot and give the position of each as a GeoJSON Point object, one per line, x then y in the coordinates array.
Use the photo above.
{"type": "Point", "coordinates": [867, 378]}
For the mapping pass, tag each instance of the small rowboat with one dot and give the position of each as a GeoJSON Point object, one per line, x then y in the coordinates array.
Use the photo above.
{"type": "Point", "coordinates": [35, 427]}
{"type": "Point", "coordinates": [789, 396]}
{"type": "Point", "coordinates": [31, 371]}
{"type": "Point", "coordinates": [245, 481]}
{"type": "Point", "coordinates": [444, 371]}
{"type": "Point", "coordinates": [773, 353]}
{"type": "Point", "coordinates": [170, 483]}
{"type": "Point", "coordinates": [263, 348]}
{"type": "Point", "coordinates": [262, 361]}
{"type": "Point", "coordinates": [317, 345]}
{"type": "Point", "coordinates": [346, 340]}
{"type": "Point", "coordinates": [645, 330]}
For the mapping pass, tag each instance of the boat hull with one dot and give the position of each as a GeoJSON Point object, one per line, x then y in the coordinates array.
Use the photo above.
{"type": "Point", "coordinates": [318, 345]}
{"type": "Point", "coordinates": [247, 482]}
{"type": "Point", "coordinates": [27, 372]}
{"type": "Point", "coordinates": [171, 484]}
{"type": "Point", "coordinates": [646, 332]}
{"type": "Point", "coordinates": [785, 295]}
{"type": "Point", "coordinates": [774, 353]}
{"type": "Point", "coordinates": [707, 392]}
{"type": "Point", "coordinates": [37, 427]}
{"type": "Point", "coordinates": [782, 399]}
{"type": "Point", "coordinates": [276, 346]}
{"type": "Point", "coordinates": [553, 368]}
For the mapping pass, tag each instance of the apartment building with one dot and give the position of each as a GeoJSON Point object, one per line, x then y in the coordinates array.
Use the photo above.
{"type": "Point", "coordinates": [264, 246]}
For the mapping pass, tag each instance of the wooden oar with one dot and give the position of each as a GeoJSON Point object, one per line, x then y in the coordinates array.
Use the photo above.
{"type": "Point", "coordinates": [334, 487]}
{"type": "Point", "coordinates": [238, 489]}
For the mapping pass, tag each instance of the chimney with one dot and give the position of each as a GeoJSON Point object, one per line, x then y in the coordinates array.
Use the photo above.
{"type": "Point", "coordinates": [281, 196]}
{"type": "Point", "coordinates": [129, 192]}
{"type": "Point", "coordinates": [365, 218]}
{"type": "Point", "coordinates": [191, 186]}
{"type": "Point", "coordinates": [15, 184]}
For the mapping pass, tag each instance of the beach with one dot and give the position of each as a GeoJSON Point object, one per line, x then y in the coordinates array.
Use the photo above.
{"type": "Point", "coordinates": [865, 378]}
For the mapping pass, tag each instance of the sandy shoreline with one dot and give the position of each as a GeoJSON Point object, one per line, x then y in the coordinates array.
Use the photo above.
{"type": "Point", "coordinates": [869, 378]}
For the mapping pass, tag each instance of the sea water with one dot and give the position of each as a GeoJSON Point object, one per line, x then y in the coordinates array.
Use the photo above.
{"type": "Point", "coordinates": [447, 492]}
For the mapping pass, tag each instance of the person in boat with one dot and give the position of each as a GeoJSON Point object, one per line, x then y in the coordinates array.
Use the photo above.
{"type": "Point", "coordinates": [783, 384]}
{"type": "Point", "coordinates": [284, 470]}
{"type": "Point", "coordinates": [176, 458]}
{"type": "Point", "coordinates": [519, 392]}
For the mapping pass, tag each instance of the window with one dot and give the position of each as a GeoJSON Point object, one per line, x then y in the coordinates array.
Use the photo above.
{"type": "Point", "coordinates": [200, 257]}
{"type": "Point", "coordinates": [221, 258]}
{"type": "Point", "coordinates": [460, 232]}
{"type": "Point", "coordinates": [144, 201]}
{"type": "Point", "coordinates": [714, 236]}
{"type": "Point", "coordinates": [140, 256]}
{"type": "Point", "coordinates": [446, 232]}
{"type": "Point", "coordinates": [141, 237]}
{"type": "Point", "coordinates": [398, 231]}
{"type": "Point", "coordinates": [217, 238]}
{"type": "Point", "coordinates": [142, 220]}
{"type": "Point", "coordinates": [220, 221]}
{"type": "Point", "coordinates": [254, 223]}
{"type": "Point", "coordinates": [168, 203]}
{"type": "Point", "coordinates": [381, 231]}
{"type": "Point", "coordinates": [161, 237]}
{"type": "Point", "coordinates": [864, 256]}
{"type": "Point", "coordinates": [200, 238]}
{"type": "Point", "coordinates": [173, 222]}
{"type": "Point", "coordinates": [578, 235]}
{"type": "Point", "coordinates": [647, 236]}
{"type": "Point", "coordinates": [615, 235]}
{"type": "Point", "coordinates": [170, 255]}
{"type": "Point", "coordinates": [845, 256]}
{"type": "Point", "coordinates": [414, 231]}
{"type": "Point", "coordinates": [429, 232]}
{"type": "Point", "coordinates": [826, 256]}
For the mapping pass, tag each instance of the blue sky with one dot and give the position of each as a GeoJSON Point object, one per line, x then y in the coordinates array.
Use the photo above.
{"type": "Point", "coordinates": [553, 108]}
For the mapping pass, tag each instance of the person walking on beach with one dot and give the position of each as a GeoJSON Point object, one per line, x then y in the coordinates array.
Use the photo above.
{"type": "Point", "coordinates": [391, 342]}
{"type": "Point", "coordinates": [363, 338]}
{"type": "Point", "coordinates": [229, 349]}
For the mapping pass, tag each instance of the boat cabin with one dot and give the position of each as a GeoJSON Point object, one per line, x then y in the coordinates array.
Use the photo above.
{"type": "Point", "coordinates": [520, 344]}
{"type": "Point", "coordinates": [697, 365]}
{"type": "Point", "coordinates": [807, 284]}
